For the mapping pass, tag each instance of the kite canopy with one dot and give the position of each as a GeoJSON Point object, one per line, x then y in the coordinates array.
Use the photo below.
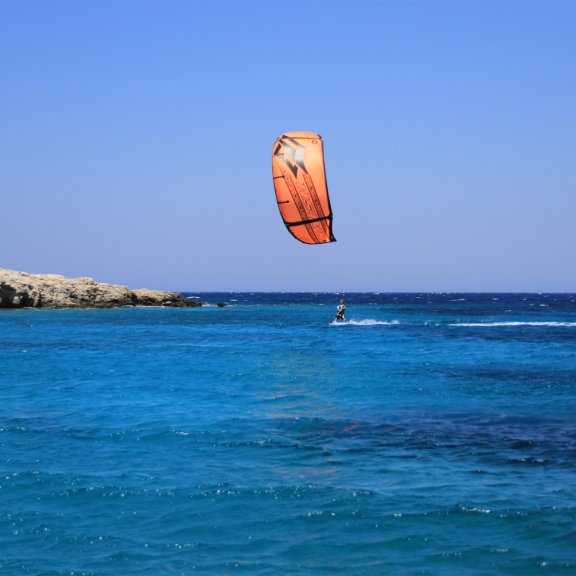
{"type": "Point", "coordinates": [301, 189]}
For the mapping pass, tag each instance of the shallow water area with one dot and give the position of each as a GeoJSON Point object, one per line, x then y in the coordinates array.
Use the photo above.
{"type": "Point", "coordinates": [429, 434]}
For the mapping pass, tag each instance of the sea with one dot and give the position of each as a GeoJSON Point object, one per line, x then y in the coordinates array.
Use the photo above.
{"type": "Point", "coordinates": [430, 434]}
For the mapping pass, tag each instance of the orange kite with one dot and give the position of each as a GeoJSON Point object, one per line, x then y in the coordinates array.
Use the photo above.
{"type": "Point", "coordinates": [301, 189]}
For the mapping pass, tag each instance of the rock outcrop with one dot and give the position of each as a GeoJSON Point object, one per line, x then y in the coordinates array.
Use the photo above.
{"type": "Point", "coordinates": [23, 290]}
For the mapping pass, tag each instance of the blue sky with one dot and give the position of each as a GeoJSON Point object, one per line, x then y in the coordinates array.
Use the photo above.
{"type": "Point", "coordinates": [135, 142]}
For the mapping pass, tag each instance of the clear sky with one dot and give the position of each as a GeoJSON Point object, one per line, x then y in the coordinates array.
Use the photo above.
{"type": "Point", "coordinates": [136, 138]}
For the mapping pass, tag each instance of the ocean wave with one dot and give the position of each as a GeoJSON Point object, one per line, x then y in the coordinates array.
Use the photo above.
{"type": "Point", "coordinates": [504, 324]}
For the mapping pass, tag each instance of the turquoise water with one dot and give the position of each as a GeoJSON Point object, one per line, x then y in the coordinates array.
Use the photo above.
{"type": "Point", "coordinates": [433, 434]}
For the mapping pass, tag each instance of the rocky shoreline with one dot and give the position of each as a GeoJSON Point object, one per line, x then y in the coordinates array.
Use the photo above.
{"type": "Point", "coordinates": [24, 290]}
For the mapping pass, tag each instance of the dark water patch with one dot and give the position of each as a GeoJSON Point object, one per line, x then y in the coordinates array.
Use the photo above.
{"type": "Point", "coordinates": [543, 442]}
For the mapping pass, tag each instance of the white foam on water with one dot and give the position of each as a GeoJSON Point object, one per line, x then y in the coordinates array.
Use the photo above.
{"type": "Point", "coordinates": [502, 324]}
{"type": "Point", "coordinates": [366, 322]}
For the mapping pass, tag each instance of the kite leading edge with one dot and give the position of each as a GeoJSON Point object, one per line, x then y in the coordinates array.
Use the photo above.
{"type": "Point", "coordinates": [300, 184]}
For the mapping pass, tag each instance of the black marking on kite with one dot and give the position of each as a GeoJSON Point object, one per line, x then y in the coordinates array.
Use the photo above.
{"type": "Point", "coordinates": [290, 224]}
{"type": "Point", "coordinates": [292, 153]}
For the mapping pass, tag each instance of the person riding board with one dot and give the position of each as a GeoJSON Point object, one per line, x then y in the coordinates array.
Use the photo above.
{"type": "Point", "coordinates": [341, 312]}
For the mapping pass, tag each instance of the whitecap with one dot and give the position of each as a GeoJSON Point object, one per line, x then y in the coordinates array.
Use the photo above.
{"type": "Point", "coordinates": [505, 324]}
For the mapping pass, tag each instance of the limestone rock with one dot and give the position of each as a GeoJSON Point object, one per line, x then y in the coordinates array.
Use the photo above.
{"type": "Point", "coordinates": [21, 290]}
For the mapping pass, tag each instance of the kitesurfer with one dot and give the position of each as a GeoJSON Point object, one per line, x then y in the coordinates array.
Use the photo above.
{"type": "Point", "coordinates": [341, 312]}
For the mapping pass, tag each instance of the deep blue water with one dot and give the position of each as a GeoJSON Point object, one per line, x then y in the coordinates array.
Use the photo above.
{"type": "Point", "coordinates": [434, 434]}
